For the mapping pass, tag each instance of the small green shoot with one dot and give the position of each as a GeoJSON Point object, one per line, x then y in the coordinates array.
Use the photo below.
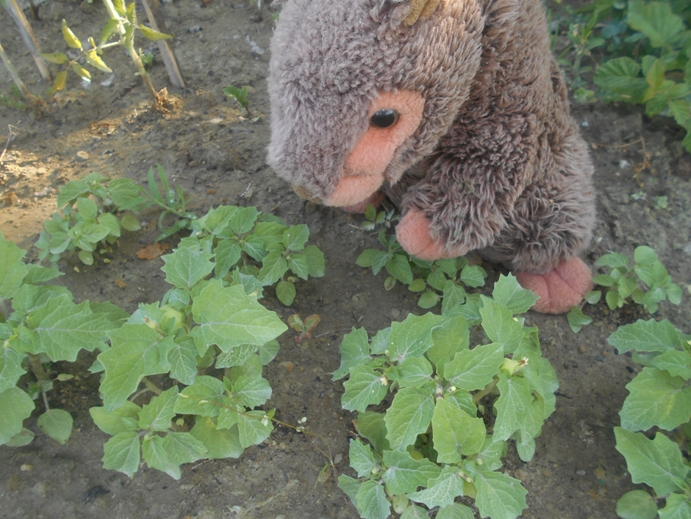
{"type": "Point", "coordinates": [240, 95]}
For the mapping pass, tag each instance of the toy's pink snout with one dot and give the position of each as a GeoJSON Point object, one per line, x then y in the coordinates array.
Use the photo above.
{"type": "Point", "coordinates": [374, 150]}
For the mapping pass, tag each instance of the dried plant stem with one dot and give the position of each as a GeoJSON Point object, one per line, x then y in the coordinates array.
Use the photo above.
{"type": "Point", "coordinates": [34, 101]}
{"type": "Point", "coordinates": [28, 36]}
{"type": "Point", "coordinates": [153, 12]}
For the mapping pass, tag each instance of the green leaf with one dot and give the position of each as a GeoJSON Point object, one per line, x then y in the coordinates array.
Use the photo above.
{"type": "Point", "coordinates": [315, 260]}
{"type": "Point", "coordinates": [657, 463]}
{"type": "Point", "coordinates": [515, 411]}
{"type": "Point", "coordinates": [61, 329]}
{"type": "Point", "coordinates": [414, 512]}
{"type": "Point", "coordinates": [156, 456]}
{"type": "Point", "coordinates": [364, 387]}
{"type": "Point", "coordinates": [183, 360]}
{"type": "Point", "coordinates": [675, 362]}
{"type": "Point", "coordinates": [656, 398]}
{"type": "Point", "coordinates": [474, 369]}
{"type": "Point", "coordinates": [499, 496]}
{"type": "Point", "coordinates": [577, 319]}
{"type": "Point", "coordinates": [456, 434]}
{"type": "Point", "coordinates": [298, 265]}
{"type": "Point", "coordinates": [473, 276]}
{"type": "Point", "coordinates": [182, 447]}
{"type": "Point", "coordinates": [509, 293]}
{"type": "Point", "coordinates": [295, 237]}
{"type": "Point", "coordinates": [55, 57]}
{"type": "Point", "coordinates": [228, 318]}
{"type": "Point", "coordinates": [644, 255]}
{"type": "Point", "coordinates": [412, 337]}
{"type": "Point", "coordinates": [648, 335]}
{"type": "Point", "coordinates": [56, 423]}
{"type": "Point", "coordinates": [244, 218]}
{"type": "Point", "coordinates": [39, 274]}
{"type": "Point", "coordinates": [285, 292]}
{"type": "Point", "coordinates": [137, 351]}
{"type": "Point", "coordinates": [620, 75]}
{"type": "Point", "coordinates": [71, 40]}
{"type": "Point", "coordinates": [500, 325]}
{"type": "Point", "coordinates": [252, 391]}
{"type": "Point", "coordinates": [350, 487]}
{"type": "Point", "coordinates": [371, 501]}
{"type": "Point", "coordinates": [428, 299]}
{"type": "Point", "coordinates": [235, 357]}
{"type": "Point", "coordinates": [410, 414]}
{"type": "Point", "coordinates": [361, 458]}
{"type": "Point", "coordinates": [354, 350]}
{"type": "Point", "coordinates": [153, 35]}
{"type": "Point", "coordinates": [373, 258]}
{"type": "Point", "coordinates": [612, 260]}
{"type": "Point", "coordinates": [274, 266]}
{"type": "Point", "coordinates": [414, 372]}
{"type": "Point", "coordinates": [12, 269]}
{"type": "Point", "coordinates": [219, 443]}
{"type": "Point", "coordinates": [71, 191]}
{"type": "Point", "coordinates": [10, 368]}
{"type": "Point", "coordinates": [159, 412]}
{"type": "Point", "coordinates": [452, 336]}
{"type": "Point", "coordinates": [399, 267]}
{"type": "Point", "coordinates": [636, 504]}
{"type": "Point", "coordinates": [418, 285]}
{"type": "Point", "coordinates": [371, 426]}
{"type": "Point", "coordinates": [656, 20]}
{"type": "Point", "coordinates": [205, 397]}
{"type": "Point", "coordinates": [442, 490]}
{"type": "Point", "coordinates": [16, 406]}
{"type": "Point", "coordinates": [677, 506]}
{"type": "Point", "coordinates": [186, 267]}
{"type": "Point", "coordinates": [405, 474]}
{"type": "Point", "coordinates": [253, 428]}
{"type": "Point", "coordinates": [121, 419]}
{"type": "Point", "coordinates": [268, 351]}
{"type": "Point", "coordinates": [455, 511]}
{"type": "Point", "coordinates": [121, 453]}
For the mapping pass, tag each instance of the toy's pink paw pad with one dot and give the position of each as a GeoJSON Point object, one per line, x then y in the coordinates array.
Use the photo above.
{"type": "Point", "coordinates": [414, 236]}
{"type": "Point", "coordinates": [375, 199]}
{"type": "Point", "coordinates": [561, 288]}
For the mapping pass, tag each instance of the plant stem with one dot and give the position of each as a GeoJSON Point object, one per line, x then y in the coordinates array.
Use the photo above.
{"type": "Point", "coordinates": [28, 36]}
{"type": "Point", "coordinates": [40, 374]}
{"type": "Point", "coordinates": [151, 386]}
{"type": "Point", "coordinates": [34, 101]}
{"type": "Point", "coordinates": [477, 397]}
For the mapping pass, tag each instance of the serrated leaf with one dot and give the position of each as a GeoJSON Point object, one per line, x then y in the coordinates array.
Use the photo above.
{"type": "Point", "coordinates": [136, 351]}
{"type": "Point", "coordinates": [648, 335]}
{"type": "Point", "coordinates": [657, 462]}
{"type": "Point", "coordinates": [354, 351]}
{"type": "Point", "coordinates": [274, 266]}
{"type": "Point", "coordinates": [182, 447]}
{"type": "Point", "coordinates": [350, 486]}
{"type": "Point", "coordinates": [399, 268]}
{"type": "Point", "coordinates": [159, 412]}
{"type": "Point", "coordinates": [121, 453]}
{"type": "Point", "coordinates": [473, 276]}
{"type": "Point", "coordinates": [244, 219]}
{"type": "Point", "coordinates": [228, 318]}
{"type": "Point", "coordinates": [675, 362]}
{"type": "Point", "coordinates": [636, 504]}
{"type": "Point", "coordinates": [183, 360]}
{"type": "Point", "coordinates": [509, 293]}
{"type": "Point", "coordinates": [253, 428]}
{"type": "Point", "coordinates": [455, 511]}
{"type": "Point", "coordinates": [620, 75]}
{"type": "Point", "coordinates": [449, 338]}
{"type": "Point", "coordinates": [499, 496]}
{"type": "Point", "coordinates": [295, 237]}
{"type": "Point", "coordinates": [156, 456]}
{"type": "Point", "coordinates": [371, 501]}
{"type": "Point", "coordinates": [252, 391]}
{"type": "Point", "coordinates": [361, 458]}
{"type": "Point", "coordinates": [514, 409]}
{"type": "Point", "coordinates": [363, 388]}
{"type": "Point", "coordinates": [474, 369]}
{"type": "Point", "coordinates": [12, 268]}
{"type": "Point", "coordinates": [56, 423]}
{"type": "Point", "coordinates": [185, 267]}
{"type": "Point", "coordinates": [500, 325]}
{"type": "Point", "coordinates": [456, 434]}
{"type": "Point", "coordinates": [10, 368]}
{"type": "Point", "coordinates": [405, 474]}
{"type": "Point", "coordinates": [414, 372]}
{"type": "Point", "coordinates": [412, 337]}
{"type": "Point", "coordinates": [61, 329]}
{"type": "Point", "coordinates": [16, 406]}
{"type": "Point", "coordinates": [612, 260]}
{"type": "Point", "coordinates": [414, 512]}
{"type": "Point", "coordinates": [410, 414]}
{"type": "Point", "coordinates": [204, 397]}
{"type": "Point", "coordinates": [656, 398]}
{"type": "Point", "coordinates": [219, 443]}
{"type": "Point", "coordinates": [441, 491]}
{"type": "Point", "coordinates": [121, 419]}
{"type": "Point", "coordinates": [656, 20]}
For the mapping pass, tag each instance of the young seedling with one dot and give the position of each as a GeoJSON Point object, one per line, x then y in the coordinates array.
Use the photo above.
{"type": "Point", "coordinates": [304, 328]}
{"type": "Point", "coordinates": [240, 95]}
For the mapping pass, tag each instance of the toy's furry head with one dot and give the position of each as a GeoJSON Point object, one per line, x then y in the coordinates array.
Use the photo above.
{"type": "Point", "coordinates": [334, 64]}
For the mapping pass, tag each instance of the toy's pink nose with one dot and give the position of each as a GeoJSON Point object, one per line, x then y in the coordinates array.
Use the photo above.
{"type": "Point", "coordinates": [305, 193]}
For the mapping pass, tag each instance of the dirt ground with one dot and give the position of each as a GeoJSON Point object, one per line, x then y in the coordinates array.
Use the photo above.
{"type": "Point", "coordinates": [217, 155]}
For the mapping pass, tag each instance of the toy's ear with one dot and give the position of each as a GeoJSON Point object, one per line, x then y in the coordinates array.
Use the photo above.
{"type": "Point", "coordinates": [408, 11]}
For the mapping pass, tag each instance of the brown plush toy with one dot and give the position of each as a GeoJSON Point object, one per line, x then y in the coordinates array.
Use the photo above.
{"type": "Point", "coordinates": [455, 109]}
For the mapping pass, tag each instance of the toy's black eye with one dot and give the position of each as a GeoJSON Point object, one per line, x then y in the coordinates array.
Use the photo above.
{"type": "Point", "coordinates": [384, 118]}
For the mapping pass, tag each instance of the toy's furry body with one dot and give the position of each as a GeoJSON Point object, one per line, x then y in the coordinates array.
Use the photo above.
{"type": "Point", "coordinates": [496, 163]}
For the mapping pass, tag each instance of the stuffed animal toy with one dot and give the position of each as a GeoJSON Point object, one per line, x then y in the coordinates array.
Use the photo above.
{"type": "Point", "coordinates": [454, 108]}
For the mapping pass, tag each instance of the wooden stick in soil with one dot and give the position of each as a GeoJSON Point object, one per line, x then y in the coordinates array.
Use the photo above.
{"type": "Point", "coordinates": [34, 101]}
{"type": "Point", "coordinates": [28, 36]}
{"type": "Point", "coordinates": [153, 12]}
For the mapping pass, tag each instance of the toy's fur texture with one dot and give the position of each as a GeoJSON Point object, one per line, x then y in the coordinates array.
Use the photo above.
{"type": "Point", "coordinates": [485, 155]}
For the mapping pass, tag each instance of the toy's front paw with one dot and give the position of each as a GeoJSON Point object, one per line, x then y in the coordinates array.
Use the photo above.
{"type": "Point", "coordinates": [413, 233]}
{"type": "Point", "coordinates": [561, 288]}
{"type": "Point", "coordinates": [375, 200]}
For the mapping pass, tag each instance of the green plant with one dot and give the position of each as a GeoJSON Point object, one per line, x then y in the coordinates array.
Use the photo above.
{"type": "Point", "coordinates": [240, 95]}
{"type": "Point", "coordinates": [122, 25]}
{"type": "Point", "coordinates": [43, 326]}
{"type": "Point", "coordinates": [453, 410]}
{"type": "Point", "coordinates": [86, 218]}
{"type": "Point", "coordinates": [172, 201]}
{"type": "Point", "coordinates": [661, 78]}
{"type": "Point", "coordinates": [659, 400]}
{"type": "Point", "coordinates": [440, 280]}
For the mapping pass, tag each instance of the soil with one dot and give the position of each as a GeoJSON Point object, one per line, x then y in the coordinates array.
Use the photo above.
{"type": "Point", "coordinates": [216, 152]}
